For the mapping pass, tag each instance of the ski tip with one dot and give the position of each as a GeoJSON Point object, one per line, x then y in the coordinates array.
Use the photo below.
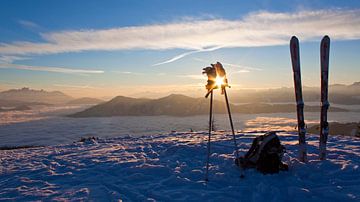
{"type": "Point", "coordinates": [294, 44]}
{"type": "Point", "coordinates": [326, 38]}
{"type": "Point", "coordinates": [294, 38]}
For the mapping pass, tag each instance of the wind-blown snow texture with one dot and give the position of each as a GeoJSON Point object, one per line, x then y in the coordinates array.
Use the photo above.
{"type": "Point", "coordinates": [171, 167]}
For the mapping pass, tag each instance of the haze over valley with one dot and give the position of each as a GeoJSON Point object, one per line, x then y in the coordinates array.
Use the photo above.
{"type": "Point", "coordinates": [244, 101]}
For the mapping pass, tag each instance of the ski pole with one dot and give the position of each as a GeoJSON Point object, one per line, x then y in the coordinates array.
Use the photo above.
{"type": "Point", "coordinates": [233, 131]}
{"type": "Point", "coordinates": [209, 138]}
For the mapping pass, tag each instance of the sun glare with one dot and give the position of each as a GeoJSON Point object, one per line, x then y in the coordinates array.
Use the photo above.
{"type": "Point", "coordinates": [219, 81]}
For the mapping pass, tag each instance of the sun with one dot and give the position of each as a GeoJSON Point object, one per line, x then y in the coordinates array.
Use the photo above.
{"type": "Point", "coordinates": [219, 81]}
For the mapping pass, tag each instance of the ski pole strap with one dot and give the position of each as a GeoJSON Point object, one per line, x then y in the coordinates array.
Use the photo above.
{"type": "Point", "coordinates": [302, 125]}
{"type": "Point", "coordinates": [303, 130]}
{"type": "Point", "coordinates": [325, 105]}
{"type": "Point", "coordinates": [300, 103]}
{"type": "Point", "coordinates": [326, 125]}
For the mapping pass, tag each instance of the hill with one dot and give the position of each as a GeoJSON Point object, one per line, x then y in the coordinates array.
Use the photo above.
{"type": "Point", "coordinates": [30, 95]}
{"type": "Point", "coordinates": [179, 105]}
{"type": "Point", "coordinates": [85, 100]}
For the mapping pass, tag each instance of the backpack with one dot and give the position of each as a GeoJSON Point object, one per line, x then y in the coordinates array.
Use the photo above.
{"type": "Point", "coordinates": [265, 154]}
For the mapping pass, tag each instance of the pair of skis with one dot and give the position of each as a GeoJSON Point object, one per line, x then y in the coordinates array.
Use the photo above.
{"type": "Point", "coordinates": [324, 126]}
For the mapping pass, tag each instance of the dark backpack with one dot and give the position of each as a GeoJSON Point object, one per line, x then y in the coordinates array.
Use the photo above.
{"type": "Point", "coordinates": [265, 154]}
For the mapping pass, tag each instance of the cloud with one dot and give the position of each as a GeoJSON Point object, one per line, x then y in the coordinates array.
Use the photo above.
{"type": "Point", "coordinates": [5, 59]}
{"type": "Point", "coordinates": [239, 68]}
{"type": "Point", "coordinates": [76, 86]}
{"type": "Point", "coordinates": [194, 76]}
{"type": "Point", "coordinates": [243, 71]}
{"type": "Point", "coordinates": [127, 72]}
{"type": "Point", "coordinates": [28, 24]}
{"type": "Point", "coordinates": [255, 29]}
{"type": "Point", "coordinates": [50, 69]}
{"type": "Point", "coordinates": [243, 67]}
{"type": "Point", "coordinates": [175, 58]}
{"type": "Point", "coordinates": [186, 54]}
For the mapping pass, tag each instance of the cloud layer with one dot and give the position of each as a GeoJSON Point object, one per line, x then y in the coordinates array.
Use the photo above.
{"type": "Point", "coordinates": [50, 69]}
{"type": "Point", "coordinates": [255, 29]}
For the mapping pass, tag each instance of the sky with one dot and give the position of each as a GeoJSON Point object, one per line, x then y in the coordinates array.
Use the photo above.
{"type": "Point", "coordinates": [153, 48]}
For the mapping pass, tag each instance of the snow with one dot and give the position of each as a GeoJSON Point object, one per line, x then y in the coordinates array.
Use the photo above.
{"type": "Point", "coordinates": [171, 167]}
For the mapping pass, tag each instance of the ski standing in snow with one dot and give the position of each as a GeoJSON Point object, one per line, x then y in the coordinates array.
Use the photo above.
{"type": "Point", "coordinates": [324, 126]}
{"type": "Point", "coordinates": [295, 59]}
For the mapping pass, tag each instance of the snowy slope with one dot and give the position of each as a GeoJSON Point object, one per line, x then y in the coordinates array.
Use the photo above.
{"type": "Point", "coordinates": [171, 167]}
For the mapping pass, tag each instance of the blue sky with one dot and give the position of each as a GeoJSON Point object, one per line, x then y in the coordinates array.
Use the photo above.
{"type": "Point", "coordinates": [143, 48]}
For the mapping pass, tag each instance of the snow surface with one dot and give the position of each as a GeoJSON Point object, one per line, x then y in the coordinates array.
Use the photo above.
{"type": "Point", "coordinates": [171, 167]}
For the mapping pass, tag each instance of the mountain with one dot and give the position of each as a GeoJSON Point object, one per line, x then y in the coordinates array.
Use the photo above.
{"type": "Point", "coordinates": [173, 105]}
{"type": "Point", "coordinates": [30, 95]}
{"type": "Point", "coordinates": [338, 94]}
{"type": "Point", "coordinates": [16, 103]}
{"type": "Point", "coordinates": [180, 105]}
{"type": "Point", "coordinates": [85, 100]}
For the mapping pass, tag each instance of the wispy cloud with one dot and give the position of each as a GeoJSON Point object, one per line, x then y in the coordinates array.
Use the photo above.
{"type": "Point", "coordinates": [242, 71]}
{"type": "Point", "coordinates": [127, 72]}
{"type": "Point", "coordinates": [76, 86]}
{"type": "Point", "coordinates": [137, 73]}
{"type": "Point", "coordinates": [194, 76]}
{"type": "Point", "coordinates": [236, 67]}
{"type": "Point", "coordinates": [186, 54]}
{"type": "Point", "coordinates": [243, 67]}
{"type": "Point", "coordinates": [28, 24]}
{"type": "Point", "coordinates": [6, 59]}
{"type": "Point", "coordinates": [50, 69]}
{"type": "Point", "coordinates": [255, 29]}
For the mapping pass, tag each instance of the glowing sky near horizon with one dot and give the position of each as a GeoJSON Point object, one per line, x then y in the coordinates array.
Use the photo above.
{"type": "Point", "coordinates": [151, 48]}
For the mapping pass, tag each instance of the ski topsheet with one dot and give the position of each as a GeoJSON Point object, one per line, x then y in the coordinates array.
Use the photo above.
{"type": "Point", "coordinates": [295, 59]}
{"type": "Point", "coordinates": [324, 126]}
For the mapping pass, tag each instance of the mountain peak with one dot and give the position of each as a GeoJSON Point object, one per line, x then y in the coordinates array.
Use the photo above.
{"type": "Point", "coordinates": [32, 95]}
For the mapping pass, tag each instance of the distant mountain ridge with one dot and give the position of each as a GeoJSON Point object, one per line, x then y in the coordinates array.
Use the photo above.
{"type": "Point", "coordinates": [180, 105]}
{"type": "Point", "coordinates": [85, 100]}
{"type": "Point", "coordinates": [30, 95]}
{"type": "Point", "coordinates": [18, 108]}
{"type": "Point", "coordinates": [338, 94]}
{"type": "Point", "coordinates": [15, 103]}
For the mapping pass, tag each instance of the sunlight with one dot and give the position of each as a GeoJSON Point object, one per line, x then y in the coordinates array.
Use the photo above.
{"type": "Point", "coordinates": [219, 81]}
